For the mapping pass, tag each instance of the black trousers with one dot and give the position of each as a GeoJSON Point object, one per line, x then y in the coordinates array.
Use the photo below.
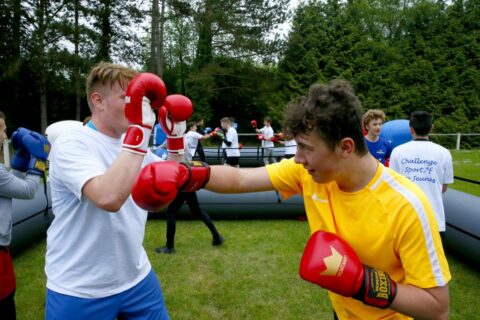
{"type": "Point", "coordinates": [174, 207]}
{"type": "Point", "coordinates": [200, 152]}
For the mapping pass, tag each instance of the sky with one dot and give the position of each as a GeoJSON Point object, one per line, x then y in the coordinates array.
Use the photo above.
{"type": "Point", "coordinates": [284, 28]}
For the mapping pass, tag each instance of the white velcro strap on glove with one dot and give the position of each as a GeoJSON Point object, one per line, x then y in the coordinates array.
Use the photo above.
{"type": "Point", "coordinates": [148, 116]}
{"type": "Point", "coordinates": [175, 137]}
{"type": "Point", "coordinates": [136, 139]}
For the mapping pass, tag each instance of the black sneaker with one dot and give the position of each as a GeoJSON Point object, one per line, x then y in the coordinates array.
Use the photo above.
{"type": "Point", "coordinates": [165, 250]}
{"type": "Point", "coordinates": [217, 241]}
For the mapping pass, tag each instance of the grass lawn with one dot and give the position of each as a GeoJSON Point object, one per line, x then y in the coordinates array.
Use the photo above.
{"type": "Point", "coordinates": [254, 275]}
{"type": "Point", "coordinates": [466, 164]}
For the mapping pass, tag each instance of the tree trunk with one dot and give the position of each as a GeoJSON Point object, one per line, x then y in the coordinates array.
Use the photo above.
{"type": "Point", "coordinates": [154, 35]}
{"type": "Point", "coordinates": [42, 65]}
{"type": "Point", "coordinates": [160, 41]}
{"type": "Point", "coordinates": [76, 77]}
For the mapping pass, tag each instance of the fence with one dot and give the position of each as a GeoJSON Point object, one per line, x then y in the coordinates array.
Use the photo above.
{"type": "Point", "coordinates": [457, 140]}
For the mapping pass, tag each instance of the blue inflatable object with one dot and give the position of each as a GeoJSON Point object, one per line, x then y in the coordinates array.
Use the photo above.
{"type": "Point", "coordinates": [159, 135]}
{"type": "Point", "coordinates": [396, 131]}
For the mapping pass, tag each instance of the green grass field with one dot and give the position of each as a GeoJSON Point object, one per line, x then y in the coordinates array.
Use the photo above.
{"type": "Point", "coordinates": [254, 275]}
{"type": "Point", "coordinates": [466, 164]}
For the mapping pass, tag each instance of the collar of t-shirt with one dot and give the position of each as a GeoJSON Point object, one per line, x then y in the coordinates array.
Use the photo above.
{"type": "Point", "coordinates": [91, 125]}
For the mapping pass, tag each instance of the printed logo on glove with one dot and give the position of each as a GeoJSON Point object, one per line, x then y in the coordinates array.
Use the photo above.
{"type": "Point", "coordinates": [331, 263]}
{"type": "Point", "coordinates": [32, 151]}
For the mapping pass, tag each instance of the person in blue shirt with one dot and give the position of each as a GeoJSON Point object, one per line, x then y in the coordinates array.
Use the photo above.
{"type": "Point", "coordinates": [377, 146]}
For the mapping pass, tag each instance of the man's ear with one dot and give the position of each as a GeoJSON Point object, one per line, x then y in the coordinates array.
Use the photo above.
{"type": "Point", "coordinates": [97, 100]}
{"type": "Point", "coordinates": [347, 147]}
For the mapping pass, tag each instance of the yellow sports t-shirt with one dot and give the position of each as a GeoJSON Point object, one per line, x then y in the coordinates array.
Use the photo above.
{"type": "Point", "coordinates": [389, 224]}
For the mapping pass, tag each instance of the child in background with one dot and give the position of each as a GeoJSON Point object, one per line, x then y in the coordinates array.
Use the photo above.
{"type": "Point", "coordinates": [378, 147]}
{"type": "Point", "coordinates": [192, 139]}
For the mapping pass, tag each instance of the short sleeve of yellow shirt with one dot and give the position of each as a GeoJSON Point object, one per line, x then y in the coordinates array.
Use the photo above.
{"type": "Point", "coordinates": [389, 223]}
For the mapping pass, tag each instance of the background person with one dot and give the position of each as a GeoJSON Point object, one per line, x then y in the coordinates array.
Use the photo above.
{"type": "Point", "coordinates": [192, 140]}
{"type": "Point", "coordinates": [96, 265]}
{"type": "Point", "coordinates": [171, 216]}
{"type": "Point", "coordinates": [266, 136]}
{"type": "Point", "coordinates": [289, 143]}
{"type": "Point", "coordinates": [229, 142]}
{"type": "Point", "coordinates": [426, 163]}
{"type": "Point", "coordinates": [377, 146]}
{"type": "Point", "coordinates": [202, 131]}
{"type": "Point", "coordinates": [374, 245]}
{"type": "Point", "coordinates": [28, 165]}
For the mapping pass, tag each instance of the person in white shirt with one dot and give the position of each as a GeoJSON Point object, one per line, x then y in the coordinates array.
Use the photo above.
{"type": "Point", "coordinates": [290, 145]}
{"type": "Point", "coordinates": [265, 135]}
{"type": "Point", "coordinates": [426, 163]}
{"type": "Point", "coordinates": [95, 264]}
{"type": "Point", "coordinates": [230, 143]}
{"type": "Point", "coordinates": [191, 140]}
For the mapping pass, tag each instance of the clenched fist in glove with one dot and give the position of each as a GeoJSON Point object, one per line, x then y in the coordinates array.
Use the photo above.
{"type": "Point", "coordinates": [39, 148]}
{"type": "Point", "coordinates": [32, 151]}
{"type": "Point", "coordinates": [21, 158]}
{"type": "Point", "coordinates": [158, 183]}
{"type": "Point", "coordinates": [172, 117]}
{"type": "Point", "coordinates": [331, 263]}
{"type": "Point", "coordinates": [217, 134]}
{"type": "Point", "coordinates": [145, 92]}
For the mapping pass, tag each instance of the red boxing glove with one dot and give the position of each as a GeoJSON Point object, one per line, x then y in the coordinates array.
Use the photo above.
{"type": "Point", "coordinates": [172, 117]}
{"type": "Point", "coordinates": [158, 183]}
{"type": "Point", "coordinates": [217, 134]}
{"type": "Point", "coordinates": [260, 137]}
{"type": "Point", "coordinates": [254, 124]}
{"type": "Point", "coordinates": [331, 263]}
{"type": "Point", "coordinates": [274, 139]}
{"type": "Point", "coordinates": [145, 92]}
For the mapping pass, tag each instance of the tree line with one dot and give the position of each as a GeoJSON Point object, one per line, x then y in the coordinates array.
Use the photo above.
{"type": "Point", "coordinates": [227, 58]}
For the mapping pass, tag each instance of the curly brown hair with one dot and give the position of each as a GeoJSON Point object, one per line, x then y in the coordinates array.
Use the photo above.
{"type": "Point", "coordinates": [372, 114]}
{"type": "Point", "coordinates": [332, 110]}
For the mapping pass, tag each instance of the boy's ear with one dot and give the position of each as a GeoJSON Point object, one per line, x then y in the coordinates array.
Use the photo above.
{"type": "Point", "coordinates": [347, 146]}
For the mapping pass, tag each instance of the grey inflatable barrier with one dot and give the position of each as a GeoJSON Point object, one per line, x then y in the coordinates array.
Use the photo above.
{"type": "Point", "coordinates": [253, 205]}
{"type": "Point", "coordinates": [30, 219]}
{"type": "Point", "coordinates": [462, 236]}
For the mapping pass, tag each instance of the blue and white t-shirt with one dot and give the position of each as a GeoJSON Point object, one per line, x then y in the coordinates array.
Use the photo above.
{"type": "Point", "coordinates": [380, 149]}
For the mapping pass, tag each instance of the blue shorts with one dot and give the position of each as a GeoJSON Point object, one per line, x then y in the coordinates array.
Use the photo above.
{"type": "Point", "coordinates": [143, 301]}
